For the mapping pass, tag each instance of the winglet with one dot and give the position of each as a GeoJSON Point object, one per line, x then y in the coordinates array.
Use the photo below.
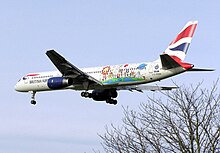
{"type": "Point", "coordinates": [169, 62]}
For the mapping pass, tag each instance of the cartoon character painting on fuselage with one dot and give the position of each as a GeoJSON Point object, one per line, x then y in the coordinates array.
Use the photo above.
{"type": "Point", "coordinates": [123, 73]}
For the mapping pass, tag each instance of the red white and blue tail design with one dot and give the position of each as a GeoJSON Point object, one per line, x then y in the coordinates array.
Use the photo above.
{"type": "Point", "coordinates": [179, 46]}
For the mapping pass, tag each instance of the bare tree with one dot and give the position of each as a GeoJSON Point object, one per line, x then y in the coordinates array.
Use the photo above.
{"type": "Point", "coordinates": [183, 120]}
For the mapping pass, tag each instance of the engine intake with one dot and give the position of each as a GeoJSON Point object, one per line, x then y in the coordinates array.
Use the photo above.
{"type": "Point", "coordinates": [59, 82]}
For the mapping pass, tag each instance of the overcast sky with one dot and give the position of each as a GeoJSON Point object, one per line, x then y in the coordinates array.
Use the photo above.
{"type": "Point", "coordinates": [90, 33]}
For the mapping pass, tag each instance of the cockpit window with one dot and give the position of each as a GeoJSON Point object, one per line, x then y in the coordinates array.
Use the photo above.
{"type": "Point", "coordinates": [24, 78]}
{"type": "Point", "coordinates": [19, 80]}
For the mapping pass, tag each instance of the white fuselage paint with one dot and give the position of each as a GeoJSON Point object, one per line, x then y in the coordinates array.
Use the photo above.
{"type": "Point", "coordinates": [149, 72]}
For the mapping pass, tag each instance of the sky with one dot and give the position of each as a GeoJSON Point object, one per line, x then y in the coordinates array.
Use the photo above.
{"type": "Point", "coordinates": [90, 33]}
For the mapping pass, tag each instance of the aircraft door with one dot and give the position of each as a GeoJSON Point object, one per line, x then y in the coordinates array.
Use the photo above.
{"type": "Point", "coordinates": [150, 70]}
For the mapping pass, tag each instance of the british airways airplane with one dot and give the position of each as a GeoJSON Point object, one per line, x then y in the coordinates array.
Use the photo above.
{"type": "Point", "coordinates": [105, 81]}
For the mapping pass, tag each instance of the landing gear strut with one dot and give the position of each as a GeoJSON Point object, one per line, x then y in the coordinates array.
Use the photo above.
{"type": "Point", "coordinates": [33, 101]}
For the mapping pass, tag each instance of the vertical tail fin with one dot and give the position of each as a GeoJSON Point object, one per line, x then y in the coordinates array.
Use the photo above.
{"type": "Point", "coordinates": [179, 46]}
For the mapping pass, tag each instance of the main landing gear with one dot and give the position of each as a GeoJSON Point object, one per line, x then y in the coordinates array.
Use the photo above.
{"type": "Point", "coordinates": [102, 95]}
{"type": "Point", "coordinates": [33, 101]}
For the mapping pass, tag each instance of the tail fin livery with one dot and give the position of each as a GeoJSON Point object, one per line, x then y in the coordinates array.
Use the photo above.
{"type": "Point", "coordinates": [179, 46]}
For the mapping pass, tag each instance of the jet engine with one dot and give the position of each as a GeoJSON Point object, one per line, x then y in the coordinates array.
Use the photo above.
{"type": "Point", "coordinates": [59, 82]}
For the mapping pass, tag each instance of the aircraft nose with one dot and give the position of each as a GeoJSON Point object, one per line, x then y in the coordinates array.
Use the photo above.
{"type": "Point", "coordinates": [18, 87]}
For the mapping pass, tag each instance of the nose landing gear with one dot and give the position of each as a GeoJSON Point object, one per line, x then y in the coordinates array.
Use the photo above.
{"type": "Point", "coordinates": [33, 101]}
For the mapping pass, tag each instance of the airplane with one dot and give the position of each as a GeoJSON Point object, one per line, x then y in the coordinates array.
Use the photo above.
{"type": "Point", "coordinates": [106, 81]}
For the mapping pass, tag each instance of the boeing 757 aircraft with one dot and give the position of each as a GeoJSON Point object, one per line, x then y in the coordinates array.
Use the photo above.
{"type": "Point", "coordinates": [105, 81]}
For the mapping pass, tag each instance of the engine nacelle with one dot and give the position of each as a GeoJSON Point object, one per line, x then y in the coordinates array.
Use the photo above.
{"type": "Point", "coordinates": [103, 95]}
{"type": "Point", "coordinates": [59, 82]}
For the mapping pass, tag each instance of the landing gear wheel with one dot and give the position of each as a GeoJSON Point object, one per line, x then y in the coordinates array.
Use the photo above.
{"type": "Point", "coordinates": [86, 94]}
{"type": "Point", "coordinates": [83, 94]}
{"type": "Point", "coordinates": [111, 101]}
{"type": "Point", "coordinates": [33, 102]}
{"type": "Point", "coordinates": [114, 102]}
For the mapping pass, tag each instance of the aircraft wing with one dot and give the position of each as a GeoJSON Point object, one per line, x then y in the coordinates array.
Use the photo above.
{"type": "Point", "coordinates": [71, 71]}
{"type": "Point", "coordinates": [140, 88]}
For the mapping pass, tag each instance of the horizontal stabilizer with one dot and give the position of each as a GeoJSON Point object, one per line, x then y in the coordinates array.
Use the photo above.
{"type": "Point", "coordinates": [168, 62]}
{"type": "Point", "coordinates": [201, 69]}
